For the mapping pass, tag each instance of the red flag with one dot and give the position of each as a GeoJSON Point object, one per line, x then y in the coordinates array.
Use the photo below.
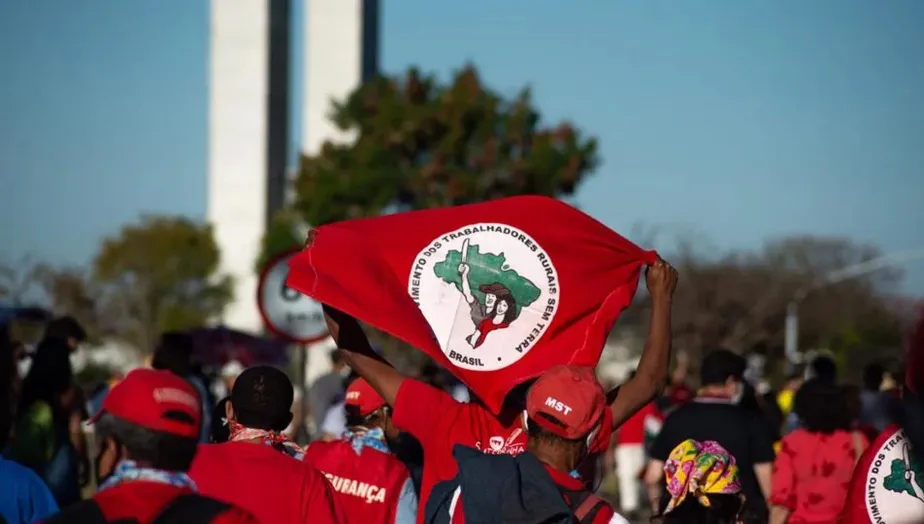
{"type": "Point", "coordinates": [498, 292]}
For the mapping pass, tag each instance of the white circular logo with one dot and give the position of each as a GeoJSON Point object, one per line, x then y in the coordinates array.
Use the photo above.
{"type": "Point", "coordinates": [489, 292]}
{"type": "Point", "coordinates": [895, 484]}
{"type": "Point", "coordinates": [286, 312]}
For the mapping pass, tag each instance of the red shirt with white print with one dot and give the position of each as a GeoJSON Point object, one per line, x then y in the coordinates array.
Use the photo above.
{"type": "Point", "coordinates": [439, 422]}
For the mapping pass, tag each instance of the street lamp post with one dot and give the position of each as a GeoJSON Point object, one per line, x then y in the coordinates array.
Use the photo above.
{"type": "Point", "coordinates": [792, 310]}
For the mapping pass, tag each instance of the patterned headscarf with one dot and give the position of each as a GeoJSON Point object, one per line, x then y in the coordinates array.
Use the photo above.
{"type": "Point", "coordinates": [268, 437]}
{"type": "Point", "coordinates": [700, 469]}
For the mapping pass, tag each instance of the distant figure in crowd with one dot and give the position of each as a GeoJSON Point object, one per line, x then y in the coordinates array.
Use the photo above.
{"type": "Point", "coordinates": [147, 432]}
{"type": "Point", "coordinates": [823, 368]}
{"type": "Point", "coordinates": [68, 331]}
{"type": "Point", "coordinates": [631, 453]}
{"type": "Point", "coordinates": [713, 416]}
{"type": "Point", "coordinates": [564, 412]}
{"type": "Point", "coordinates": [701, 479]}
{"type": "Point", "coordinates": [334, 422]}
{"type": "Point", "coordinates": [174, 353]}
{"type": "Point", "coordinates": [363, 457]}
{"type": "Point", "coordinates": [45, 422]}
{"type": "Point", "coordinates": [874, 410]}
{"type": "Point", "coordinates": [259, 468]}
{"type": "Point", "coordinates": [24, 498]}
{"type": "Point", "coordinates": [328, 389]}
{"type": "Point", "coordinates": [227, 375]}
{"type": "Point", "coordinates": [816, 461]}
{"type": "Point", "coordinates": [788, 392]}
{"type": "Point", "coordinates": [220, 430]}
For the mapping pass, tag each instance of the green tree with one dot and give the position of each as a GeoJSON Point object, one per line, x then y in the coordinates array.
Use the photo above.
{"type": "Point", "coordinates": [422, 144]}
{"type": "Point", "coordinates": [158, 275]}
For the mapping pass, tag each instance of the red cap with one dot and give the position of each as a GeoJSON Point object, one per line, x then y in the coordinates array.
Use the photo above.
{"type": "Point", "coordinates": [570, 395]}
{"type": "Point", "coordinates": [361, 395]}
{"type": "Point", "coordinates": [146, 397]}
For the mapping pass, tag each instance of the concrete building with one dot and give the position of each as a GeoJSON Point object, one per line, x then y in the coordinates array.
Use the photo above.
{"type": "Point", "coordinates": [249, 114]}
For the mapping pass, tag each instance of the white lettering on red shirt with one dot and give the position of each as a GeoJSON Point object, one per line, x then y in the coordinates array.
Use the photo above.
{"type": "Point", "coordinates": [363, 490]}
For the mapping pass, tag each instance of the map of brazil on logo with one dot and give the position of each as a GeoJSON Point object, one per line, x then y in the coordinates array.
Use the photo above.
{"type": "Point", "coordinates": [488, 291]}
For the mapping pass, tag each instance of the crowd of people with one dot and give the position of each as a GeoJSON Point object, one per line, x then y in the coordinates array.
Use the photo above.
{"type": "Point", "coordinates": [398, 449]}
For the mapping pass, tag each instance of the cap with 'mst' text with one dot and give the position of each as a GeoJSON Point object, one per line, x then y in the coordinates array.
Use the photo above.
{"type": "Point", "coordinates": [567, 401]}
{"type": "Point", "coordinates": [155, 400]}
{"type": "Point", "coordinates": [361, 395]}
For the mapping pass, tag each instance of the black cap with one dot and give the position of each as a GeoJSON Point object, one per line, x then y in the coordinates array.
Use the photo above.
{"type": "Point", "coordinates": [262, 398]}
{"type": "Point", "coordinates": [719, 365]}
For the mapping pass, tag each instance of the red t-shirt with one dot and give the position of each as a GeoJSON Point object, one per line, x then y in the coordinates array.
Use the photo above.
{"type": "Point", "coordinates": [439, 422]}
{"type": "Point", "coordinates": [634, 430]}
{"type": "Point", "coordinates": [144, 501]}
{"type": "Point", "coordinates": [885, 487]}
{"type": "Point", "coordinates": [812, 471]}
{"type": "Point", "coordinates": [604, 515]}
{"type": "Point", "coordinates": [270, 484]}
{"type": "Point", "coordinates": [367, 485]}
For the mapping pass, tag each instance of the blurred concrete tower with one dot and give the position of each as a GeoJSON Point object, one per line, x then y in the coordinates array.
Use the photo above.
{"type": "Point", "coordinates": [341, 51]}
{"type": "Point", "coordinates": [249, 115]}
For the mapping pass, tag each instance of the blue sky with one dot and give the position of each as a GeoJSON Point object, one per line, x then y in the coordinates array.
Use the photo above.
{"type": "Point", "coordinates": [738, 121]}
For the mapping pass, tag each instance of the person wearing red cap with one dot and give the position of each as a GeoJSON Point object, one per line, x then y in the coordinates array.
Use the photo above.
{"type": "Point", "coordinates": [147, 429]}
{"type": "Point", "coordinates": [370, 483]}
{"type": "Point", "coordinates": [888, 482]}
{"type": "Point", "coordinates": [439, 422]}
{"type": "Point", "coordinates": [259, 468]}
{"type": "Point", "coordinates": [564, 412]}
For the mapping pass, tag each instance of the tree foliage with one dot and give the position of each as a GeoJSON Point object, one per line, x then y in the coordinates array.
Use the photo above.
{"type": "Point", "coordinates": [423, 144]}
{"type": "Point", "coordinates": [739, 300]}
{"type": "Point", "coordinates": [158, 275]}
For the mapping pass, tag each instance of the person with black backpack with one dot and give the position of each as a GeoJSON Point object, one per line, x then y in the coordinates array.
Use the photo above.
{"type": "Point", "coordinates": [564, 412]}
{"type": "Point", "coordinates": [148, 429]}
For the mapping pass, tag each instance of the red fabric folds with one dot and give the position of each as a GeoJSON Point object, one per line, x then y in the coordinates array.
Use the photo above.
{"type": "Point", "coordinates": [498, 292]}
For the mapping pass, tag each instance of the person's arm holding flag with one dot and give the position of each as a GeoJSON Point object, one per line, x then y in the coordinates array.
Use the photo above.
{"type": "Point", "coordinates": [651, 374]}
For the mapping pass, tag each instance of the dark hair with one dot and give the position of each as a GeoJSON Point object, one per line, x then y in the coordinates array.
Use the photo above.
{"type": "Point", "coordinates": [724, 509]}
{"type": "Point", "coordinates": [822, 407]}
{"type": "Point", "coordinates": [335, 357]}
{"type": "Point", "coordinates": [64, 328]}
{"type": "Point", "coordinates": [174, 354]}
{"type": "Point", "coordinates": [536, 431]}
{"type": "Point", "coordinates": [511, 314]}
{"type": "Point", "coordinates": [825, 368]}
{"type": "Point", "coordinates": [719, 365]}
{"type": "Point", "coordinates": [872, 376]}
{"type": "Point", "coordinates": [262, 398]}
{"type": "Point", "coordinates": [158, 449]}
{"type": "Point", "coordinates": [219, 431]}
{"type": "Point", "coordinates": [49, 376]}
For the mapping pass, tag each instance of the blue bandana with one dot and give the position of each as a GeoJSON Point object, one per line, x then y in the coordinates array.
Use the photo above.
{"type": "Point", "coordinates": [361, 437]}
{"type": "Point", "coordinates": [129, 471]}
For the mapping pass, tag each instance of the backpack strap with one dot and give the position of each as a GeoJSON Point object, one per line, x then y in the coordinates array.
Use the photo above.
{"type": "Point", "coordinates": [585, 505]}
{"type": "Point", "coordinates": [191, 508]}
